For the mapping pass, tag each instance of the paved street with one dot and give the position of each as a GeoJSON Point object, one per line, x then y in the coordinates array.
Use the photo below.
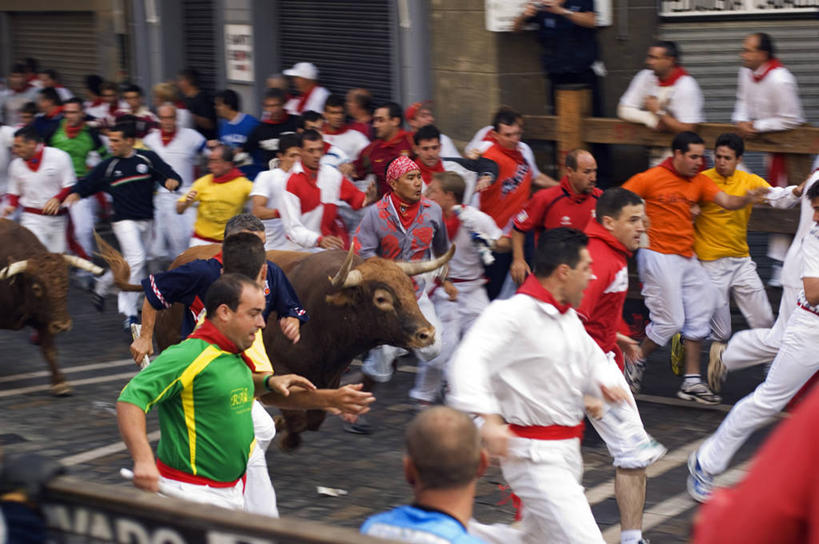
{"type": "Point", "coordinates": [81, 431]}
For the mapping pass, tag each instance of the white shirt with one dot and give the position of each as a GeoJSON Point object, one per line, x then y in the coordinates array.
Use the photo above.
{"type": "Point", "coordinates": [314, 103]}
{"type": "Point", "coordinates": [351, 142]}
{"type": "Point", "coordinates": [271, 184]}
{"type": "Point", "coordinates": [448, 148]}
{"type": "Point", "coordinates": [527, 362]}
{"type": "Point", "coordinates": [683, 100]}
{"type": "Point", "coordinates": [466, 263]}
{"type": "Point", "coordinates": [772, 103]}
{"type": "Point", "coordinates": [810, 266]}
{"type": "Point", "coordinates": [55, 173]}
{"type": "Point", "coordinates": [181, 153]}
{"type": "Point", "coordinates": [477, 142]}
{"type": "Point", "coordinates": [63, 93]}
{"type": "Point", "coordinates": [6, 140]}
{"type": "Point", "coordinates": [792, 266]}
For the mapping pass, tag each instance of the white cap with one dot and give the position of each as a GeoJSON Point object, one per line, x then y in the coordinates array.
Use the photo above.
{"type": "Point", "coordinates": [306, 70]}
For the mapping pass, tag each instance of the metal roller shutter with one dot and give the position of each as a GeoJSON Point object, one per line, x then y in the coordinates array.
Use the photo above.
{"type": "Point", "coordinates": [64, 41]}
{"type": "Point", "coordinates": [349, 42]}
{"type": "Point", "coordinates": [199, 36]}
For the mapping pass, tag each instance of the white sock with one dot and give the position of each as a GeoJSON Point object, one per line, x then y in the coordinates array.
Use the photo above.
{"type": "Point", "coordinates": [692, 379]}
{"type": "Point", "coordinates": [632, 536]}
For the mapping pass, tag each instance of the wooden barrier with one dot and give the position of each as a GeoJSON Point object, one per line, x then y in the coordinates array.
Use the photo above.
{"type": "Point", "coordinates": [83, 512]}
{"type": "Point", "coordinates": [571, 128]}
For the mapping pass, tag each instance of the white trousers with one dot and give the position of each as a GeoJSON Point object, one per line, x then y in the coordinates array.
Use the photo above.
{"type": "Point", "coordinates": [759, 346]}
{"type": "Point", "coordinates": [455, 318]}
{"type": "Point", "coordinates": [49, 230]}
{"type": "Point", "coordinates": [621, 428]}
{"type": "Point", "coordinates": [678, 294]}
{"type": "Point", "coordinates": [546, 475]}
{"type": "Point", "coordinates": [194, 241]}
{"type": "Point", "coordinates": [134, 237]}
{"type": "Point", "coordinates": [378, 363]}
{"type": "Point", "coordinates": [83, 214]}
{"type": "Point", "coordinates": [796, 362]}
{"type": "Point", "coordinates": [172, 231]}
{"type": "Point", "coordinates": [737, 276]}
{"type": "Point", "coordinates": [260, 497]}
{"type": "Point", "coordinates": [226, 497]}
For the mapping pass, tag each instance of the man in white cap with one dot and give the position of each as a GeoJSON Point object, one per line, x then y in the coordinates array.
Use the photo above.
{"type": "Point", "coordinates": [311, 95]}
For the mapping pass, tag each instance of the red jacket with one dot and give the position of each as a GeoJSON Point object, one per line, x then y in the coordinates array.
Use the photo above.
{"type": "Point", "coordinates": [374, 158]}
{"type": "Point", "coordinates": [558, 206]}
{"type": "Point", "coordinates": [602, 307]}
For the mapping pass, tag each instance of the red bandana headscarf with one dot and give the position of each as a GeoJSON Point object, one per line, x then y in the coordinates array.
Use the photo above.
{"type": "Point", "coordinates": [400, 166]}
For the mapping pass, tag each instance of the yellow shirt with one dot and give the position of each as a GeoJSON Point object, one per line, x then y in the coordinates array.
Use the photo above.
{"type": "Point", "coordinates": [718, 232]}
{"type": "Point", "coordinates": [218, 202]}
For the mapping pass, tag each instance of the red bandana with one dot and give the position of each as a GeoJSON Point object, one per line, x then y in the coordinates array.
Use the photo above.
{"type": "Point", "coordinates": [167, 137]}
{"type": "Point", "coordinates": [304, 98]}
{"type": "Point", "coordinates": [534, 289]}
{"type": "Point", "coordinates": [772, 64]}
{"type": "Point", "coordinates": [35, 161]}
{"type": "Point", "coordinates": [672, 78]}
{"type": "Point", "coordinates": [208, 332]}
{"type": "Point", "coordinates": [572, 194]}
{"type": "Point", "coordinates": [427, 171]}
{"type": "Point", "coordinates": [97, 102]}
{"type": "Point", "coordinates": [72, 132]}
{"type": "Point", "coordinates": [57, 111]}
{"type": "Point", "coordinates": [453, 223]}
{"type": "Point", "coordinates": [270, 121]}
{"type": "Point", "coordinates": [400, 166]}
{"type": "Point", "coordinates": [113, 107]}
{"type": "Point", "coordinates": [406, 212]}
{"type": "Point", "coordinates": [513, 154]}
{"type": "Point", "coordinates": [327, 130]}
{"type": "Point", "coordinates": [230, 176]}
{"type": "Point", "coordinates": [312, 175]}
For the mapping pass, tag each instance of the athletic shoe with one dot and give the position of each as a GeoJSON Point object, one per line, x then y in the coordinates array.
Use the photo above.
{"type": "Point", "coordinates": [677, 354]}
{"type": "Point", "coordinates": [698, 392]}
{"type": "Point", "coordinates": [700, 484]}
{"type": "Point", "coordinates": [716, 368]}
{"type": "Point", "coordinates": [97, 300]}
{"type": "Point", "coordinates": [130, 320]}
{"type": "Point", "coordinates": [634, 375]}
{"type": "Point", "coordinates": [361, 426]}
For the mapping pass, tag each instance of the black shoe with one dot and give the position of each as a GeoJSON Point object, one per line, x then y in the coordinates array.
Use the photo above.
{"type": "Point", "coordinates": [361, 426]}
{"type": "Point", "coordinates": [97, 300]}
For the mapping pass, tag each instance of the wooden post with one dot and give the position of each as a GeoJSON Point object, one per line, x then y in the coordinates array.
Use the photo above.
{"type": "Point", "coordinates": [798, 167]}
{"type": "Point", "coordinates": [573, 106]}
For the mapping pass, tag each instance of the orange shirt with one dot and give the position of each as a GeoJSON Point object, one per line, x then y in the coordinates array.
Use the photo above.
{"type": "Point", "coordinates": [669, 198]}
{"type": "Point", "coordinates": [506, 196]}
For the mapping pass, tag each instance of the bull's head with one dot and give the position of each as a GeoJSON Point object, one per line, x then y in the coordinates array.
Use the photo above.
{"type": "Point", "coordinates": [386, 286]}
{"type": "Point", "coordinates": [44, 277]}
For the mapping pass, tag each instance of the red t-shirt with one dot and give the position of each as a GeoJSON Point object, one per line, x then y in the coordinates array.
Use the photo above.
{"type": "Point", "coordinates": [506, 196]}
{"type": "Point", "coordinates": [374, 158]}
{"type": "Point", "coordinates": [558, 206]}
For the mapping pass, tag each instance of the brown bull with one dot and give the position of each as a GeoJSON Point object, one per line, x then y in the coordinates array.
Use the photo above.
{"type": "Point", "coordinates": [354, 305]}
{"type": "Point", "coordinates": [34, 289]}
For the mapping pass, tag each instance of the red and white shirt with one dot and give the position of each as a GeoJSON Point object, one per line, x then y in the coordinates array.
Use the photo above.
{"type": "Point", "coordinates": [309, 204]}
{"type": "Point", "coordinates": [352, 142]}
{"type": "Point", "coordinates": [36, 181]}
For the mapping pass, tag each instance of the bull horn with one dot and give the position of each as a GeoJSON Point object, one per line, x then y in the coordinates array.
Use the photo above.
{"type": "Point", "coordinates": [83, 264]}
{"type": "Point", "coordinates": [346, 277]}
{"type": "Point", "coordinates": [13, 269]}
{"type": "Point", "coordinates": [420, 267]}
{"type": "Point", "coordinates": [118, 264]}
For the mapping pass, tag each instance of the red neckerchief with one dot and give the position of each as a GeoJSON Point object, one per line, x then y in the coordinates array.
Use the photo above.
{"type": "Point", "coordinates": [167, 137]}
{"type": "Point", "coordinates": [406, 212]}
{"type": "Point", "coordinates": [668, 164]}
{"type": "Point", "coordinates": [596, 230]}
{"type": "Point", "coordinates": [397, 138]}
{"type": "Point", "coordinates": [534, 289]}
{"type": "Point", "coordinates": [672, 78]}
{"type": "Point", "coordinates": [304, 98]}
{"type": "Point", "coordinates": [72, 132]}
{"type": "Point", "coordinates": [23, 89]}
{"type": "Point", "coordinates": [230, 176]}
{"type": "Point", "coordinates": [772, 64]}
{"type": "Point", "coordinates": [270, 121]}
{"type": "Point", "coordinates": [312, 175]}
{"type": "Point", "coordinates": [453, 223]}
{"type": "Point", "coordinates": [208, 332]}
{"type": "Point", "coordinates": [488, 137]}
{"type": "Point", "coordinates": [180, 105]}
{"type": "Point", "coordinates": [327, 130]}
{"type": "Point", "coordinates": [427, 171]}
{"type": "Point", "coordinates": [513, 154]}
{"type": "Point", "coordinates": [96, 102]}
{"type": "Point", "coordinates": [57, 111]}
{"type": "Point", "coordinates": [35, 161]}
{"type": "Point", "coordinates": [113, 107]}
{"type": "Point", "coordinates": [327, 146]}
{"type": "Point", "coordinates": [570, 192]}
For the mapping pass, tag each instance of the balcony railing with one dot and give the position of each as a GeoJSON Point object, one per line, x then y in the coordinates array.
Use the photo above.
{"type": "Point", "coordinates": [710, 8]}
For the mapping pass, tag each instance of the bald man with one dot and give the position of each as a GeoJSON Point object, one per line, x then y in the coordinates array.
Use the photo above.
{"type": "Point", "coordinates": [443, 462]}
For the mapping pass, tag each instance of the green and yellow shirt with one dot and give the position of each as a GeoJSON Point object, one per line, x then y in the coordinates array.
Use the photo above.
{"type": "Point", "coordinates": [204, 393]}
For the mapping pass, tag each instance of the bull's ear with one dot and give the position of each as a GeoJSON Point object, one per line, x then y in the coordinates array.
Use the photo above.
{"type": "Point", "coordinates": [344, 297]}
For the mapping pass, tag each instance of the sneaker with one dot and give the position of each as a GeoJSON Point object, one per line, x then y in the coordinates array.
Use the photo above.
{"type": "Point", "coordinates": [700, 484]}
{"type": "Point", "coordinates": [716, 368]}
{"type": "Point", "coordinates": [130, 320]}
{"type": "Point", "coordinates": [97, 300]}
{"type": "Point", "coordinates": [634, 375]}
{"type": "Point", "coordinates": [677, 354]}
{"type": "Point", "coordinates": [776, 275]}
{"type": "Point", "coordinates": [361, 426]}
{"type": "Point", "coordinates": [698, 392]}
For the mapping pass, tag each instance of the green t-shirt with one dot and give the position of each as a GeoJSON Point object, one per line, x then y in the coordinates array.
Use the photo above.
{"type": "Point", "coordinates": [204, 396]}
{"type": "Point", "coordinates": [78, 147]}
